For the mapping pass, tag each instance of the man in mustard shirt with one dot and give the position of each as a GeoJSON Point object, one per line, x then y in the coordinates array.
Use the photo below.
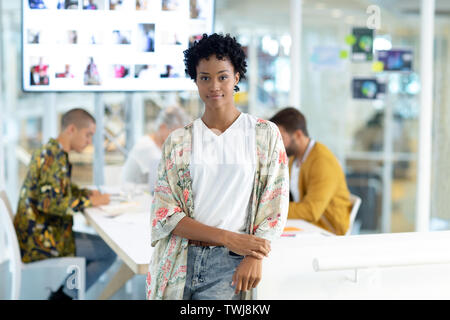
{"type": "Point", "coordinates": [317, 182]}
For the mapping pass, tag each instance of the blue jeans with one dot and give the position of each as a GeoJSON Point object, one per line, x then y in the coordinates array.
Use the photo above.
{"type": "Point", "coordinates": [210, 273]}
{"type": "Point", "coordinates": [99, 257]}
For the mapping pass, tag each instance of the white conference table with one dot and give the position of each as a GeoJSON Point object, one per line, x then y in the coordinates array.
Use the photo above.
{"type": "Point", "coordinates": [128, 235]}
{"type": "Point", "coordinates": [409, 265]}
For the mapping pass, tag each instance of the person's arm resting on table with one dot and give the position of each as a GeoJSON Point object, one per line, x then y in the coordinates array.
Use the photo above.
{"type": "Point", "coordinates": [56, 196]}
{"type": "Point", "coordinates": [96, 198]}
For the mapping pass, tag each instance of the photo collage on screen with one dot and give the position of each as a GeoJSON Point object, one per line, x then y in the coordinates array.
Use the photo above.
{"type": "Point", "coordinates": [110, 45]}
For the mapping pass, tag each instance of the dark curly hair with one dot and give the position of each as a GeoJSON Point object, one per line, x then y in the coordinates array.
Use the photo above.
{"type": "Point", "coordinates": [219, 45]}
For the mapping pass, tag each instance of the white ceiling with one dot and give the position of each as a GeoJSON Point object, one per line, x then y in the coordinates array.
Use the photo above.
{"type": "Point", "coordinates": [412, 7]}
{"type": "Point", "coordinates": [273, 15]}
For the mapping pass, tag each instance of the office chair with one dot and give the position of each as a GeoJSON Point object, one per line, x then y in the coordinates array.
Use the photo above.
{"type": "Point", "coordinates": [17, 267]}
{"type": "Point", "coordinates": [5, 199]}
{"type": "Point", "coordinates": [356, 203]}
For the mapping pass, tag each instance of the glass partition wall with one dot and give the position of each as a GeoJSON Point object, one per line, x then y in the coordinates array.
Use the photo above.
{"type": "Point", "coordinates": [375, 140]}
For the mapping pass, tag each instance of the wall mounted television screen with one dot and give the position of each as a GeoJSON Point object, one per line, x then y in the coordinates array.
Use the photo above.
{"type": "Point", "coordinates": [396, 60]}
{"type": "Point", "coordinates": [110, 45]}
{"type": "Point", "coordinates": [369, 88]}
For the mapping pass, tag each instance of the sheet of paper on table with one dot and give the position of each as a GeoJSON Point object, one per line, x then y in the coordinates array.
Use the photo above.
{"type": "Point", "coordinates": [114, 209]}
{"type": "Point", "coordinates": [302, 228]}
{"type": "Point", "coordinates": [290, 231]}
{"type": "Point", "coordinates": [140, 218]}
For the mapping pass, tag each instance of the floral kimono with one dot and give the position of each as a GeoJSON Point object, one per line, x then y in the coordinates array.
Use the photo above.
{"type": "Point", "coordinates": [173, 200]}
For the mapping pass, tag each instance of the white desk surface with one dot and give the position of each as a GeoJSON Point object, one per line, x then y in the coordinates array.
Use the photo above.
{"type": "Point", "coordinates": [128, 234]}
{"type": "Point", "coordinates": [288, 272]}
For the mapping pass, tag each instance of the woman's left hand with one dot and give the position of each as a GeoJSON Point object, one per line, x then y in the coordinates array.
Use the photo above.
{"type": "Point", "coordinates": [247, 274]}
{"type": "Point", "coordinates": [94, 193]}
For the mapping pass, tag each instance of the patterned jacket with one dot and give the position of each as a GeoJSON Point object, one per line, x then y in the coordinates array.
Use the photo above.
{"type": "Point", "coordinates": [173, 200]}
{"type": "Point", "coordinates": [47, 202]}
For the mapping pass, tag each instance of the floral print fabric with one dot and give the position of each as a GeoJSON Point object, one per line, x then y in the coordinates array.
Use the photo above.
{"type": "Point", "coordinates": [47, 202]}
{"type": "Point", "coordinates": [173, 201]}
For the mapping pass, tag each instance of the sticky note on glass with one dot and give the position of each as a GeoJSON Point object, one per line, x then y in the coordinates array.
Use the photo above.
{"type": "Point", "coordinates": [350, 39]}
{"type": "Point", "coordinates": [377, 66]}
{"type": "Point", "coordinates": [291, 229]}
{"type": "Point", "coordinates": [343, 54]}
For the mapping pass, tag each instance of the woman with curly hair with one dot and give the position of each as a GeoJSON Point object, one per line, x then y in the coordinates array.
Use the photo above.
{"type": "Point", "coordinates": [222, 192]}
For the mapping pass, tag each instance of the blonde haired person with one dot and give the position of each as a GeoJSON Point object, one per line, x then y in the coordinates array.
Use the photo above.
{"type": "Point", "coordinates": [141, 165]}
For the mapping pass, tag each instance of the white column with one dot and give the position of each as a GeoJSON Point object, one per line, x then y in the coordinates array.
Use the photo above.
{"type": "Point", "coordinates": [253, 74]}
{"type": "Point", "coordinates": [2, 110]}
{"type": "Point", "coordinates": [49, 118]}
{"type": "Point", "coordinates": [386, 211]}
{"type": "Point", "coordinates": [296, 53]}
{"type": "Point", "coordinates": [139, 116]}
{"type": "Point", "coordinates": [2, 156]}
{"type": "Point", "coordinates": [9, 107]}
{"type": "Point", "coordinates": [425, 120]}
{"type": "Point", "coordinates": [130, 121]}
{"type": "Point", "coordinates": [99, 151]}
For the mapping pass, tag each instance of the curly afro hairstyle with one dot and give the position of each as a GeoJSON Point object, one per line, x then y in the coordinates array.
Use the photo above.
{"type": "Point", "coordinates": [219, 45]}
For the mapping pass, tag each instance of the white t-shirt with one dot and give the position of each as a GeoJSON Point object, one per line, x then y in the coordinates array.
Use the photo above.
{"type": "Point", "coordinates": [293, 186]}
{"type": "Point", "coordinates": [142, 163]}
{"type": "Point", "coordinates": [223, 169]}
{"type": "Point", "coordinates": [295, 172]}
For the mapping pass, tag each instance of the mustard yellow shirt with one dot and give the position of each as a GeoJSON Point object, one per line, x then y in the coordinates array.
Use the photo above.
{"type": "Point", "coordinates": [324, 196]}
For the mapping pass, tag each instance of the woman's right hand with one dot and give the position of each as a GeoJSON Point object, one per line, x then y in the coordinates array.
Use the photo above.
{"type": "Point", "coordinates": [247, 245]}
{"type": "Point", "coordinates": [99, 199]}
